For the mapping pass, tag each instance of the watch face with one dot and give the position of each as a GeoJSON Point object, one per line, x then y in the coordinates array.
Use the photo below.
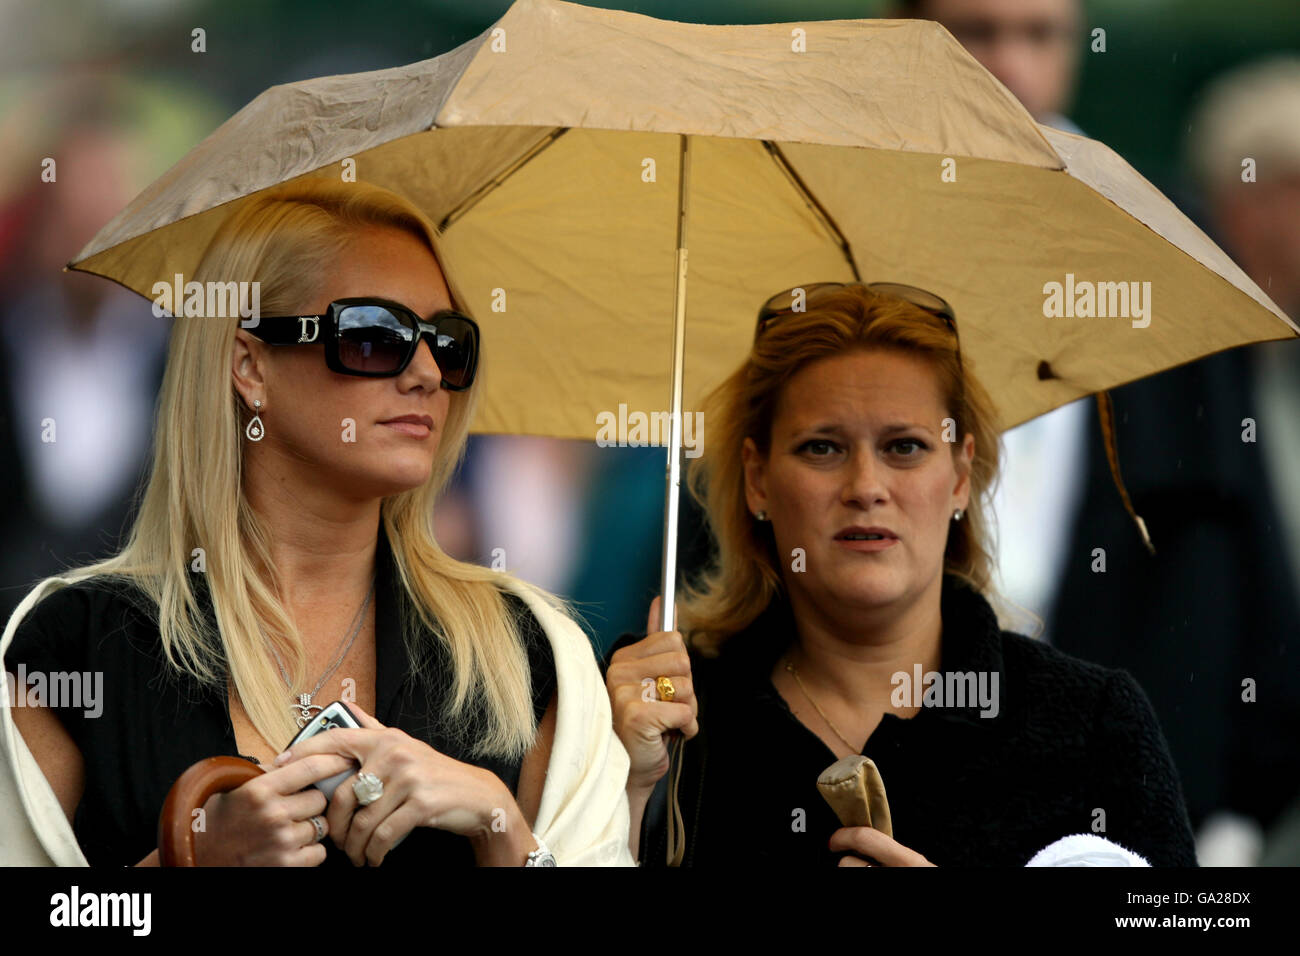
{"type": "Point", "coordinates": [541, 857]}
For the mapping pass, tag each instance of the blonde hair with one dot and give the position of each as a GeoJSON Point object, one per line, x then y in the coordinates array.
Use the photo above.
{"type": "Point", "coordinates": [286, 239]}
{"type": "Point", "coordinates": [746, 572]}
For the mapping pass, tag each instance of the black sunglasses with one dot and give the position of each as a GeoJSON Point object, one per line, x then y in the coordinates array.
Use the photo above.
{"type": "Point", "coordinates": [783, 302]}
{"type": "Point", "coordinates": [377, 338]}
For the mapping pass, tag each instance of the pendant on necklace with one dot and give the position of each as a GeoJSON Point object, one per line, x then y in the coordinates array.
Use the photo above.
{"type": "Point", "coordinates": [306, 709]}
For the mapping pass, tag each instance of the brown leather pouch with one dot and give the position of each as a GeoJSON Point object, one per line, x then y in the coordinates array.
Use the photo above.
{"type": "Point", "coordinates": [854, 789]}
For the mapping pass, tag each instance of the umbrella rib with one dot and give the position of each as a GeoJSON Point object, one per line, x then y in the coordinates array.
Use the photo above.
{"type": "Point", "coordinates": [814, 203]}
{"type": "Point", "coordinates": [474, 198]}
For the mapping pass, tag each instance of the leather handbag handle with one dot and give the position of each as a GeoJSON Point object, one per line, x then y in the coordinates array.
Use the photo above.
{"type": "Point", "coordinates": [189, 793]}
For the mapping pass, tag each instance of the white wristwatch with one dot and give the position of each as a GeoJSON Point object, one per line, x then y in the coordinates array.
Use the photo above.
{"type": "Point", "coordinates": [541, 856]}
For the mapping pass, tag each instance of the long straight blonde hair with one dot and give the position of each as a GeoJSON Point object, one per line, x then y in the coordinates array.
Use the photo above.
{"type": "Point", "coordinates": [286, 239]}
{"type": "Point", "coordinates": [745, 574]}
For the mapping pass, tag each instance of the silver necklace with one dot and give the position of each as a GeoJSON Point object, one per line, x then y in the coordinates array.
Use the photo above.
{"type": "Point", "coordinates": [304, 709]}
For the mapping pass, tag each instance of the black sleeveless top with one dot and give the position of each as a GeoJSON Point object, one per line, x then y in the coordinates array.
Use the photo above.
{"type": "Point", "coordinates": [149, 724]}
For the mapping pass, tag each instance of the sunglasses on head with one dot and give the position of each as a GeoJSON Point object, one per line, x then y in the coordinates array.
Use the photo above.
{"type": "Point", "coordinates": [783, 302]}
{"type": "Point", "coordinates": [377, 338]}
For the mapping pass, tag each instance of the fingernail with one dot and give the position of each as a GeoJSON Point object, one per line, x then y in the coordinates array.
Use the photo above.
{"type": "Point", "coordinates": [281, 759]}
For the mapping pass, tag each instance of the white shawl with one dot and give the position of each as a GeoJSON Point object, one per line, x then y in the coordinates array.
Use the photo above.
{"type": "Point", "coordinates": [583, 815]}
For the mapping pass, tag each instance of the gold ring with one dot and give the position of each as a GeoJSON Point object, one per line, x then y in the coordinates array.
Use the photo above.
{"type": "Point", "coordinates": [664, 685]}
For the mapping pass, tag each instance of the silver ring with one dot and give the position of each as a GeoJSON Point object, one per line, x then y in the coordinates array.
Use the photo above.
{"type": "Point", "coordinates": [368, 788]}
{"type": "Point", "coordinates": [319, 824]}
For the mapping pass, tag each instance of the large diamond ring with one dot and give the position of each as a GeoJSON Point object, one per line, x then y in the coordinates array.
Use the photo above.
{"type": "Point", "coordinates": [368, 788]}
{"type": "Point", "coordinates": [664, 685]}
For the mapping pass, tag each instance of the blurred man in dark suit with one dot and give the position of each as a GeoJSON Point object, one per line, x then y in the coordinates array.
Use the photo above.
{"type": "Point", "coordinates": [1215, 608]}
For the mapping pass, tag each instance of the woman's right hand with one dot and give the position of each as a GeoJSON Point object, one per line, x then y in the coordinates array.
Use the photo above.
{"type": "Point", "coordinates": [641, 719]}
{"type": "Point", "coordinates": [267, 821]}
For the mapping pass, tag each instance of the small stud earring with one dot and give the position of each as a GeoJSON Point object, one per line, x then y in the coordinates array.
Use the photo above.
{"type": "Point", "coordinates": [255, 430]}
{"type": "Point", "coordinates": [956, 515]}
{"type": "Point", "coordinates": [761, 516]}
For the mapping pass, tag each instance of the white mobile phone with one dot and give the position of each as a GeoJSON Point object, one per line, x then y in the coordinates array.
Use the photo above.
{"type": "Point", "coordinates": [335, 715]}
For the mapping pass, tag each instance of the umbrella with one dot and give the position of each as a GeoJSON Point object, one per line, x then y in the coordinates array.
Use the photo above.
{"type": "Point", "coordinates": [572, 157]}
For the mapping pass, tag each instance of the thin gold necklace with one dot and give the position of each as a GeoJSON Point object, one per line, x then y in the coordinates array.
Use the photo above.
{"type": "Point", "coordinates": [789, 665]}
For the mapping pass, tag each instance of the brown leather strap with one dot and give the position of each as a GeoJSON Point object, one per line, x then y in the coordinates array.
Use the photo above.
{"type": "Point", "coordinates": [189, 793]}
{"type": "Point", "coordinates": [676, 828]}
{"type": "Point", "coordinates": [1106, 413]}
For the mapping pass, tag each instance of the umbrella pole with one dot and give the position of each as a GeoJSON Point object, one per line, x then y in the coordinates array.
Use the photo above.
{"type": "Point", "coordinates": [672, 491]}
{"type": "Point", "coordinates": [676, 847]}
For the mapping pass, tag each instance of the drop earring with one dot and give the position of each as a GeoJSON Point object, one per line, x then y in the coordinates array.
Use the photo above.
{"type": "Point", "coordinates": [255, 430]}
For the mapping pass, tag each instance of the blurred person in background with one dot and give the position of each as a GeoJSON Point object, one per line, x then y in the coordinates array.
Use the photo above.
{"type": "Point", "coordinates": [1033, 48]}
{"type": "Point", "coordinates": [1243, 150]}
{"type": "Point", "coordinates": [80, 359]}
{"type": "Point", "coordinates": [1210, 609]}
{"type": "Point", "coordinates": [527, 495]}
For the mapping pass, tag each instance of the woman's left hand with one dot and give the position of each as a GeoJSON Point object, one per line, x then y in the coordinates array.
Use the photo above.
{"type": "Point", "coordinates": [860, 842]}
{"type": "Point", "coordinates": [422, 788]}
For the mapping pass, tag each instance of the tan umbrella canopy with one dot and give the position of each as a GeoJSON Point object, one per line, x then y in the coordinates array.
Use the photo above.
{"type": "Point", "coordinates": [568, 152]}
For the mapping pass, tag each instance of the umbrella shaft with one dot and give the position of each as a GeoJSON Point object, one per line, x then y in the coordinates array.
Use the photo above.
{"type": "Point", "coordinates": [672, 491]}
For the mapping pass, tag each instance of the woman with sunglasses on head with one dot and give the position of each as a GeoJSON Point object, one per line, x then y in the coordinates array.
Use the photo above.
{"type": "Point", "coordinates": [846, 484]}
{"type": "Point", "coordinates": [283, 557]}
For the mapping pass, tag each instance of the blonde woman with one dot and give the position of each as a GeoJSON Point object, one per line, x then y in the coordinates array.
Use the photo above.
{"type": "Point", "coordinates": [282, 558]}
{"type": "Point", "coordinates": [846, 484]}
